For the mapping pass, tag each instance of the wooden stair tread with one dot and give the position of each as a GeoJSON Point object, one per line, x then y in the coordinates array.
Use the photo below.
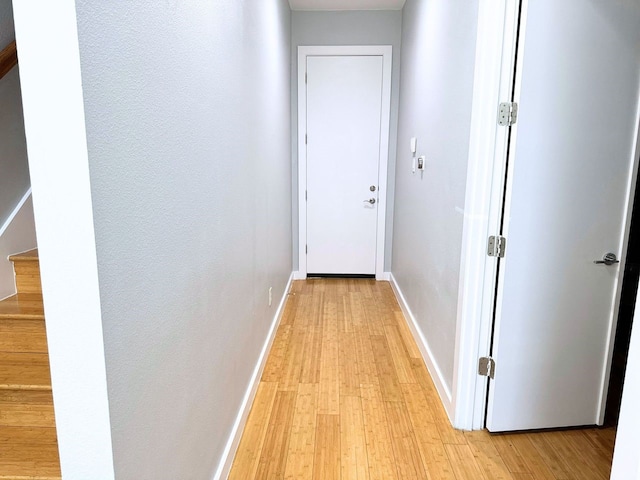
{"type": "Point", "coordinates": [26, 408]}
{"type": "Point", "coordinates": [29, 453]}
{"type": "Point", "coordinates": [23, 336]}
{"type": "Point", "coordinates": [30, 256]}
{"type": "Point", "coordinates": [26, 306]}
{"type": "Point", "coordinates": [27, 435]}
{"type": "Point", "coordinates": [28, 443]}
{"type": "Point", "coordinates": [24, 371]}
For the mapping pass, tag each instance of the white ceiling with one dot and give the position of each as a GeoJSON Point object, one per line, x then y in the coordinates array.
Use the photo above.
{"type": "Point", "coordinates": [346, 4]}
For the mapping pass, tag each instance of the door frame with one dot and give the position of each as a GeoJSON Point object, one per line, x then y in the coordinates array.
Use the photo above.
{"type": "Point", "coordinates": [385, 51]}
{"type": "Point", "coordinates": [496, 45]}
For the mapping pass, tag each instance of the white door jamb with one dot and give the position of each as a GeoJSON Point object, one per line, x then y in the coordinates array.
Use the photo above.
{"type": "Point", "coordinates": [494, 69]}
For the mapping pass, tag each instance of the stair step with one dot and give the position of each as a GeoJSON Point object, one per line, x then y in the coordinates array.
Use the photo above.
{"type": "Point", "coordinates": [27, 306]}
{"type": "Point", "coordinates": [23, 336]}
{"type": "Point", "coordinates": [26, 408]}
{"type": "Point", "coordinates": [28, 453]}
{"type": "Point", "coordinates": [24, 371]}
{"type": "Point", "coordinates": [28, 443]}
{"type": "Point", "coordinates": [27, 270]}
{"type": "Point", "coordinates": [29, 256]}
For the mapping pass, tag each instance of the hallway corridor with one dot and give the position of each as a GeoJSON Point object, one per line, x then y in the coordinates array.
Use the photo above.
{"type": "Point", "coordinates": [345, 394]}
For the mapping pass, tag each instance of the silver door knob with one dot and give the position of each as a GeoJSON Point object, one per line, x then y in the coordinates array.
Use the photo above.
{"type": "Point", "coordinates": [372, 188]}
{"type": "Point", "coordinates": [608, 259]}
{"type": "Point", "coordinates": [371, 201]}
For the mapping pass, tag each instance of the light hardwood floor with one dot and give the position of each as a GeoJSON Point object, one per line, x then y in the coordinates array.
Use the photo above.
{"type": "Point", "coordinates": [345, 394]}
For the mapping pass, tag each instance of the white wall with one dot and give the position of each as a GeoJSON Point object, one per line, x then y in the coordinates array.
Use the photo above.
{"type": "Point", "coordinates": [347, 28]}
{"type": "Point", "coordinates": [14, 180]}
{"type": "Point", "coordinates": [437, 74]}
{"type": "Point", "coordinates": [7, 30]}
{"type": "Point", "coordinates": [14, 167]}
{"type": "Point", "coordinates": [187, 116]}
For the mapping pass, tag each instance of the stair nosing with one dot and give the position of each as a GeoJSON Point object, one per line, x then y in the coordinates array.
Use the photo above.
{"type": "Point", "coordinates": [21, 315]}
{"type": "Point", "coordinates": [24, 387]}
{"type": "Point", "coordinates": [31, 477]}
{"type": "Point", "coordinates": [24, 257]}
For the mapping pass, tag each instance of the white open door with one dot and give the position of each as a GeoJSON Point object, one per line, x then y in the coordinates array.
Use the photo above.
{"type": "Point", "coordinates": [567, 197]}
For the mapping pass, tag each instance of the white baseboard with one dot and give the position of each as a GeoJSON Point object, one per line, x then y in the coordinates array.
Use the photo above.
{"type": "Point", "coordinates": [427, 355]}
{"type": "Point", "coordinates": [241, 420]}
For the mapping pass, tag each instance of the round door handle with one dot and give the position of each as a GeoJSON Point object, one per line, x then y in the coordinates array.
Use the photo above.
{"type": "Point", "coordinates": [607, 259]}
{"type": "Point", "coordinates": [371, 201]}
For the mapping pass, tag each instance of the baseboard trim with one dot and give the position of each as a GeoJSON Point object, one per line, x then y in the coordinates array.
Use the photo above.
{"type": "Point", "coordinates": [238, 427]}
{"type": "Point", "coordinates": [443, 391]}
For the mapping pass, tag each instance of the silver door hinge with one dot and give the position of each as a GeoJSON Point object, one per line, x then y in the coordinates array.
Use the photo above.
{"type": "Point", "coordinates": [305, 77]}
{"type": "Point", "coordinates": [306, 249]}
{"type": "Point", "coordinates": [497, 246]}
{"type": "Point", "coordinates": [305, 138]}
{"type": "Point", "coordinates": [508, 114]}
{"type": "Point", "coordinates": [306, 195]}
{"type": "Point", "coordinates": [486, 367]}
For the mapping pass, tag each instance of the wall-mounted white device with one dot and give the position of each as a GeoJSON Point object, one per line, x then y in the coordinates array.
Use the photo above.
{"type": "Point", "coordinates": [421, 162]}
{"type": "Point", "coordinates": [414, 147]}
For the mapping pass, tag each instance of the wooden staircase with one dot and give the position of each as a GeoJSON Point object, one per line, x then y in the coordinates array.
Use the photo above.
{"type": "Point", "coordinates": [28, 442]}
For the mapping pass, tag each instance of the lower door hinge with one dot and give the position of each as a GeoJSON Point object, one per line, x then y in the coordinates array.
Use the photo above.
{"type": "Point", "coordinates": [507, 114]}
{"type": "Point", "coordinates": [497, 246]}
{"type": "Point", "coordinates": [306, 249]}
{"type": "Point", "coordinates": [486, 367]}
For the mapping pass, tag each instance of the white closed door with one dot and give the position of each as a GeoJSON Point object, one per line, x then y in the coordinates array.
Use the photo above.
{"type": "Point", "coordinates": [568, 192]}
{"type": "Point", "coordinates": [344, 107]}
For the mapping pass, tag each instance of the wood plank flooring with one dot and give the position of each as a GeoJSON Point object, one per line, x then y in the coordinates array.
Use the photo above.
{"type": "Point", "coordinates": [345, 395]}
{"type": "Point", "coordinates": [28, 443]}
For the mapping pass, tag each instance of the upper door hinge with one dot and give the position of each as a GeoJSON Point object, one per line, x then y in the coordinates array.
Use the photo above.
{"type": "Point", "coordinates": [508, 114]}
{"type": "Point", "coordinates": [306, 195]}
{"type": "Point", "coordinates": [305, 77]}
{"type": "Point", "coordinates": [487, 367]}
{"type": "Point", "coordinates": [306, 138]}
{"type": "Point", "coordinates": [497, 246]}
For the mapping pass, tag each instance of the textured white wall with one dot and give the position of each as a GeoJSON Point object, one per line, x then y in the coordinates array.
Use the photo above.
{"type": "Point", "coordinates": [438, 54]}
{"type": "Point", "coordinates": [187, 115]}
{"type": "Point", "coordinates": [347, 28]}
